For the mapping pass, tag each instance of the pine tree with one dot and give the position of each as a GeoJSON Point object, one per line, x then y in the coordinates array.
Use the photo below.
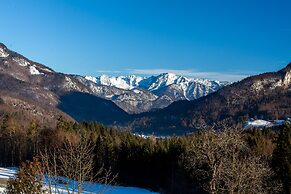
{"type": "Point", "coordinates": [282, 157]}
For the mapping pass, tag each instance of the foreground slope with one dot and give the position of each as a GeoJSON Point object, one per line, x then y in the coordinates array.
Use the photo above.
{"type": "Point", "coordinates": [7, 173]}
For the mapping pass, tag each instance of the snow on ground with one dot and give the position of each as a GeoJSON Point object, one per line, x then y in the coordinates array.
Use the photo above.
{"type": "Point", "coordinates": [262, 123]}
{"type": "Point", "coordinates": [150, 136]}
{"type": "Point", "coordinates": [6, 173]}
{"type": "Point", "coordinates": [258, 123]}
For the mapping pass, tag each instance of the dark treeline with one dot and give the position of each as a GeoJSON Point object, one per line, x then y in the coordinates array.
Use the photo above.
{"type": "Point", "coordinates": [166, 165]}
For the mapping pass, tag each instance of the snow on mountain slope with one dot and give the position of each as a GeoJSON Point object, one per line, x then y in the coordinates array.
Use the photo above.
{"type": "Point", "coordinates": [3, 53]}
{"type": "Point", "coordinates": [122, 82]}
{"type": "Point", "coordinates": [163, 80]}
{"type": "Point", "coordinates": [34, 71]}
{"type": "Point", "coordinates": [136, 94]}
{"type": "Point", "coordinates": [188, 88]}
{"type": "Point", "coordinates": [132, 101]}
{"type": "Point", "coordinates": [22, 62]}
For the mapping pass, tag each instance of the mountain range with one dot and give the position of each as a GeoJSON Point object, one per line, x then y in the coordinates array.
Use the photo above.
{"type": "Point", "coordinates": [191, 88]}
{"type": "Point", "coordinates": [161, 104]}
{"type": "Point", "coordinates": [35, 88]}
{"type": "Point", "coordinates": [136, 94]}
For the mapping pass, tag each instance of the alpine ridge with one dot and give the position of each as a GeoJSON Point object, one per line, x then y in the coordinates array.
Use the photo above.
{"type": "Point", "coordinates": [137, 94]}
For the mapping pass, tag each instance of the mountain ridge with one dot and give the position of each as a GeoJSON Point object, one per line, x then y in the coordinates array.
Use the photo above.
{"type": "Point", "coordinates": [36, 91]}
{"type": "Point", "coordinates": [158, 91]}
{"type": "Point", "coordinates": [265, 96]}
{"type": "Point", "coordinates": [157, 82]}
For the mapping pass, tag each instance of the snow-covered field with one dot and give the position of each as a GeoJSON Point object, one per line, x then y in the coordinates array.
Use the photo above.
{"type": "Point", "coordinates": [6, 173]}
{"type": "Point", "coordinates": [263, 123]}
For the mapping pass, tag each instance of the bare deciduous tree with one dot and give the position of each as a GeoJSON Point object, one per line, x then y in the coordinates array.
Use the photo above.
{"type": "Point", "coordinates": [74, 161]}
{"type": "Point", "coordinates": [224, 162]}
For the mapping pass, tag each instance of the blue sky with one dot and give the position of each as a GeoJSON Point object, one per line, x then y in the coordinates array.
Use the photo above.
{"type": "Point", "coordinates": [222, 39]}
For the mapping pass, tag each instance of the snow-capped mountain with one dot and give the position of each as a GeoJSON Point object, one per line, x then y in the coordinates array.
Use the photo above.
{"type": "Point", "coordinates": [136, 94]}
{"type": "Point", "coordinates": [187, 88]}
{"type": "Point", "coordinates": [132, 101]}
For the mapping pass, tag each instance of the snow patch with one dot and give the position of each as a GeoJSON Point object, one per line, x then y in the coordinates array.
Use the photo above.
{"type": "Point", "coordinates": [91, 78]}
{"type": "Point", "coordinates": [3, 53]}
{"type": "Point", "coordinates": [122, 82]}
{"type": "Point", "coordinates": [109, 96]}
{"type": "Point", "coordinates": [287, 79]}
{"type": "Point", "coordinates": [136, 91]}
{"type": "Point", "coordinates": [34, 71]}
{"type": "Point", "coordinates": [258, 123]}
{"type": "Point", "coordinates": [70, 84]}
{"type": "Point", "coordinates": [21, 62]}
{"type": "Point", "coordinates": [263, 123]}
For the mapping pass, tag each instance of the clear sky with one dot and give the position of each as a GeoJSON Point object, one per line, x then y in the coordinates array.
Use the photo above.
{"type": "Point", "coordinates": [219, 39]}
